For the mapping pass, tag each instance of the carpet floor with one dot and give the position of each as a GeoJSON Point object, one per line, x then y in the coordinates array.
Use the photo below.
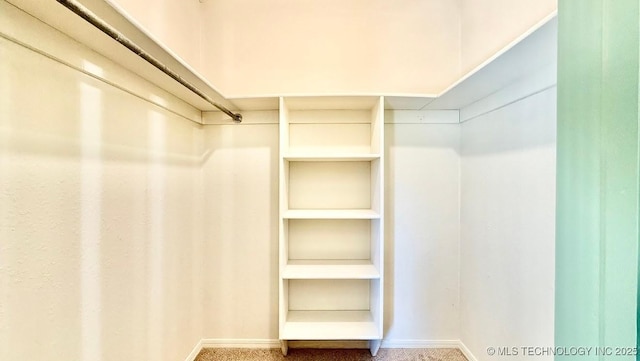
{"type": "Point", "coordinates": [302, 354]}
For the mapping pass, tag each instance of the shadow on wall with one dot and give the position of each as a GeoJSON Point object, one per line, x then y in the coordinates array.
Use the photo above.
{"type": "Point", "coordinates": [508, 225]}
{"type": "Point", "coordinates": [517, 126]}
{"type": "Point", "coordinates": [240, 194]}
{"type": "Point", "coordinates": [98, 205]}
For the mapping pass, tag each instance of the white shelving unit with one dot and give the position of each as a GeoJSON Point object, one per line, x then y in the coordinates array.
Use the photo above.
{"type": "Point", "coordinates": [331, 219]}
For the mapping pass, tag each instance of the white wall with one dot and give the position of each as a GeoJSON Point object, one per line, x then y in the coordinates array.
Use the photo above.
{"type": "Point", "coordinates": [175, 23]}
{"type": "Point", "coordinates": [254, 47]}
{"type": "Point", "coordinates": [240, 173]}
{"type": "Point", "coordinates": [488, 26]}
{"type": "Point", "coordinates": [264, 48]}
{"type": "Point", "coordinates": [99, 213]}
{"type": "Point", "coordinates": [422, 232]}
{"type": "Point", "coordinates": [507, 226]}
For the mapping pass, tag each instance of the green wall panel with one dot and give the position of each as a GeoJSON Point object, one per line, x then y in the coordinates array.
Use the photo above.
{"type": "Point", "coordinates": [597, 176]}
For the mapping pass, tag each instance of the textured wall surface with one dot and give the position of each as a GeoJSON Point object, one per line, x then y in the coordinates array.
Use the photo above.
{"type": "Point", "coordinates": [99, 222]}
{"type": "Point", "coordinates": [175, 23]}
{"type": "Point", "coordinates": [488, 26]}
{"type": "Point", "coordinates": [254, 47]}
{"type": "Point", "coordinates": [507, 225]}
{"type": "Point", "coordinates": [240, 176]}
{"type": "Point", "coordinates": [422, 231]}
{"type": "Point", "coordinates": [261, 48]}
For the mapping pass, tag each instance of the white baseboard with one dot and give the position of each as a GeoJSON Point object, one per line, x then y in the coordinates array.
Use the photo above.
{"type": "Point", "coordinates": [466, 352]}
{"type": "Point", "coordinates": [239, 343]}
{"type": "Point", "coordinates": [194, 353]}
{"type": "Point", "coordinates": [420, 343]}
{"type": "Point", "coordinates": [329, 344]}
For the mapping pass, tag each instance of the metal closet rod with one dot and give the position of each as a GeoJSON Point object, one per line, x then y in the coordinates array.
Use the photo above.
{"type": "Point", "coordinates": [94, 20]}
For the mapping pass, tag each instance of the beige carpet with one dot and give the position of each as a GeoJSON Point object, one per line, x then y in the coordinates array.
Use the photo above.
{"type": "Point", "coordinates": [302, 354]}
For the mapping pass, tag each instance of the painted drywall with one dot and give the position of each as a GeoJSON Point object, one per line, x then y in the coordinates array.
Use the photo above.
{"type": "Point", "coordinates": [507, 226]}
{"type": "Point", "coordinates": [422, 232]}
{"type": "Point", "coordinates": [241, 249]}
{"type": "Point", "coordinates": [100, 242]}
{"type": "Point", "coordinates": [254, 47]}
{"type": "Point", "coordinates": [175, 23]}
{"type": "Point", "coordinates": [488, 26]}
{"type": "Point", "coordinates": [240, 177]}
{"type": "Point", "coordinates": [251, 48]}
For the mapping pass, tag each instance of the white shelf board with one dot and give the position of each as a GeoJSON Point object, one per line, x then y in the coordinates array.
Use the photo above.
{"type": "Point", "coordinates": [534, 50]}
{"type": "Point", "coordinates": [330, 325]}
{"type": "Point", "coordinates": [407, 102]}
{"type": "Point", "coordinates": [324, 157]}
{"type": "Point", "coordinates": [391, 102]}
{"type": "Point", "coordinates": [256, 103]}
{"type": "Point", "coordinates": [331, 214]}
{"type": "Point", "coordinates": [330, 102]}
{"type": "Point", "coordinates": [62, 19]}
{"type": "Point", "coordinates": [330, 269]}
{"type": "Point", "coordinates": [530, 52]}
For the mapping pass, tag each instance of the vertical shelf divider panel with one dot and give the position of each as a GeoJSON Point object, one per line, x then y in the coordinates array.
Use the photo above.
{"type": "Point", "coordinates": [283, 223]}
{"type": "Point", "coordinates": [377, 227]}
{"type": "Point", "coordinates": [331, 219]}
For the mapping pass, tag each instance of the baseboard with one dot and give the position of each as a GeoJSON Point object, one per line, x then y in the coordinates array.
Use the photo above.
{"type": "Point", "coordinates": [194, 353]}
{"type": "Point", "coordinates": [329, 344]}
{"type": "Point", "coordinates": [239, 343]}
{"type": "Point", "coordinates": [420, 343]}
{"type": "Point", "coordinates": [466, 352]}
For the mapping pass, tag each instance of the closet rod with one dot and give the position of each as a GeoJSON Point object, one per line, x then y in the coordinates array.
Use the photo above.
{"type": "Point", "coordinates": [94, 20]}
